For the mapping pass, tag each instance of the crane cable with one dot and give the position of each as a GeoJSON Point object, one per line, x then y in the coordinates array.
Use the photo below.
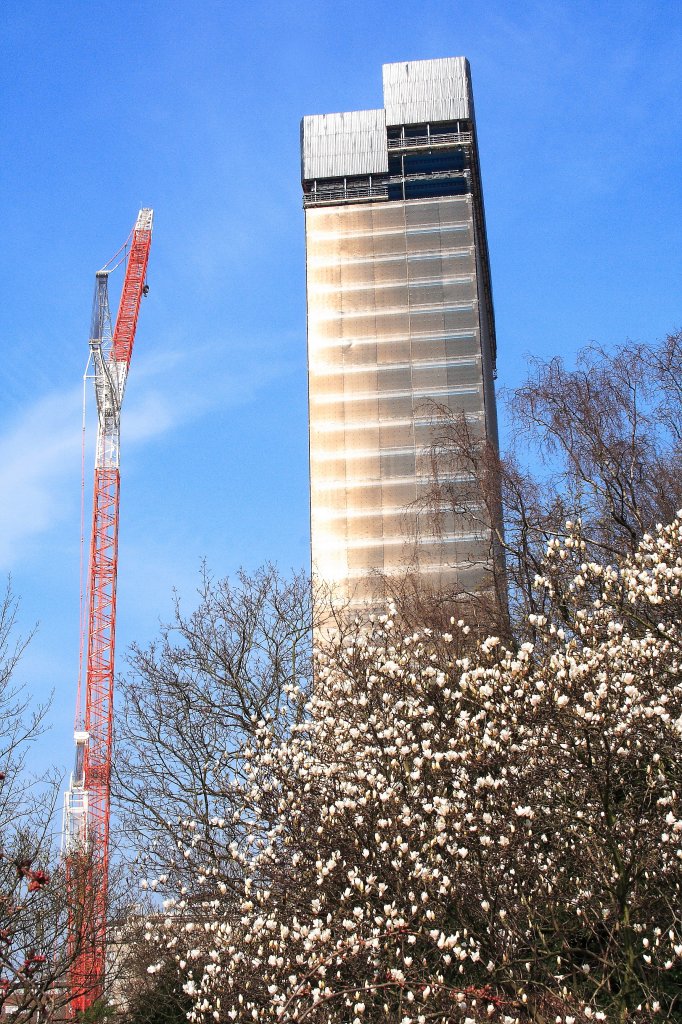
{"type": "Point", "coordinates": [124, 249]}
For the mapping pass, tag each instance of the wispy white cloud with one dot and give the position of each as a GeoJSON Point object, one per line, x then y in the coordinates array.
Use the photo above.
{"type": "Point", "coordinates": [40, 448]}
{"type": "Point", "coordinates": [38, 461]}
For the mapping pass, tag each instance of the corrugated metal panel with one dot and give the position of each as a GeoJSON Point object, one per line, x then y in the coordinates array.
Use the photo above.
{"type": "Point", "coordinates": [418, 91]}
{"type": "Point", "coordinates": [336, 145]}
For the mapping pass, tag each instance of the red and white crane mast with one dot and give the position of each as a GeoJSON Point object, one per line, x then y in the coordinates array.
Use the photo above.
{"type": "Point", "coordinates": [87, 803]}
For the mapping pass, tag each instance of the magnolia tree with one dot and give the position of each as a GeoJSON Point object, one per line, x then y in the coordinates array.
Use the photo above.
{"type": "Point", "coordinates": [454, 830]}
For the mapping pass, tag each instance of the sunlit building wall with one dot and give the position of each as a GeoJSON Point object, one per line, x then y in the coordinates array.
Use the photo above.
{"type": "Point", "coordinates": [399, 318]}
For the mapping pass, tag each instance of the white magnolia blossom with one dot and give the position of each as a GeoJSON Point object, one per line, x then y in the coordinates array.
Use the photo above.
{"type": "Point", "coordinates": [456, 831]}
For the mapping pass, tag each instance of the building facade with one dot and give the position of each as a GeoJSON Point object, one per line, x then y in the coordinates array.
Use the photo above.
{"type": "Point", "coordinates": [400, 321]}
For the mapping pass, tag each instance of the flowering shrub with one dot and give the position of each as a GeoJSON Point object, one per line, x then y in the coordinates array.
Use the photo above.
{"type": "Point", "coordinates": [456, 831]}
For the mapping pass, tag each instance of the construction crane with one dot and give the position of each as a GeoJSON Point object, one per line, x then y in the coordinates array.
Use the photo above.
{"type": "Point", "coordinates": [87, 802]}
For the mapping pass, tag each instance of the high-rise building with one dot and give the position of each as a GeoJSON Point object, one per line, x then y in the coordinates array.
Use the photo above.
{"type": "Point", "coordinates": [400, 319]}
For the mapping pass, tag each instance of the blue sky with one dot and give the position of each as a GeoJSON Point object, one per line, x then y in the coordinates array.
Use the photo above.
{"type": "Point", "coordinates": [194, 108]}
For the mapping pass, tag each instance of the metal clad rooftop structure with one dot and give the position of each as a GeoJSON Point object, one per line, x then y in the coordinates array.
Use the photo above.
{"type": "Point", "coordinates": [338, 145]}
{"type": "Point", "coordinates": [418, 91]}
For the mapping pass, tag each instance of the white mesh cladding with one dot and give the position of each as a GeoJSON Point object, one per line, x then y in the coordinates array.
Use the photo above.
{"type": "Point", "coordinates": [418, 91]}
{"type": "Point", "coordinates": [393, 325]}
{"type": "Point", "coordinates": [337, 145]}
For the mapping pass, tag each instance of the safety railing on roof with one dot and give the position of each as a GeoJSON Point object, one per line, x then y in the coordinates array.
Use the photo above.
{"type": "Point", "coordinates": [349, 192]}
{"type": "Point", "coordinates": [446, 140]}
{"type": "Point", "coordinates": [429, 176]}
{"type": "Point", "coordinates": [353, 191]}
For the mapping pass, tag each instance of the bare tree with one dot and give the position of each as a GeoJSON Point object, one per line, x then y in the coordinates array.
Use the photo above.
{"type": "Point", "coordinates": [192, 699]}
{"type": "Point", "coordinates": [35, 905]}
{"type": "Point", "coordinates": [600, 444]}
